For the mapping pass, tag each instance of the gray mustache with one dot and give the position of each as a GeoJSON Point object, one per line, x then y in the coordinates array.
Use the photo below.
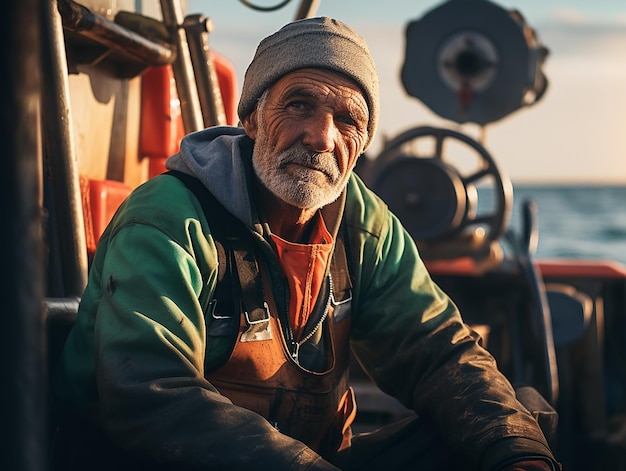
{"type": "Point", "coordinates": [323, 161]}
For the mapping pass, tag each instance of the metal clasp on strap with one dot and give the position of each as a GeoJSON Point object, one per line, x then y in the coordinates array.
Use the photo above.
{"type": "Point", "coordinates": [221, 325]}
{"type": "Point", "coordinates": [214, 315]}
{"type": "Point", "coordinates": [265, 318]}
{"type": "Point", "coordinates": [258, 329]}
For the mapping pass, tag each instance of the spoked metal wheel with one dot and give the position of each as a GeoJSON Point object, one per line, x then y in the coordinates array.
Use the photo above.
{"type": "Point", "coordinates": [435, 192]}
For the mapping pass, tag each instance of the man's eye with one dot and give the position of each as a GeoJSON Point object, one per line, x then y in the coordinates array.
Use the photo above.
{"type": "Point", "coordinates": [297, 105]}
{"type": "Point", "coordinates": [352, 122]}
{"type": "Point", "coordinates": [348, 120]}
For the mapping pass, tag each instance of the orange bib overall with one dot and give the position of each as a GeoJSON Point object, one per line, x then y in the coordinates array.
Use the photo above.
{"type": "Point", "coordinates": [264, 376]}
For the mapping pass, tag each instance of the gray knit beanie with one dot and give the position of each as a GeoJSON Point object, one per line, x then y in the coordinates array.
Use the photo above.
{"type": "Point", "coordinates": [313, 42]}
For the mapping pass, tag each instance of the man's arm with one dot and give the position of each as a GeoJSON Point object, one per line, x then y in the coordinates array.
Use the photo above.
{"type": "Point", "coordinates": [410, 338]}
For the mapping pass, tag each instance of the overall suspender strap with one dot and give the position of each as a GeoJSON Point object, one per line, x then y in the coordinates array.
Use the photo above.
{"type": "Point", "coordinates": [339, 265]}
{"type": "Point", "coordinates": [235, 256]}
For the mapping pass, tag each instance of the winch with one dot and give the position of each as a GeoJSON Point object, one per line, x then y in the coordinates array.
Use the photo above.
{"type": "Point", "coordinates": [473, 61]}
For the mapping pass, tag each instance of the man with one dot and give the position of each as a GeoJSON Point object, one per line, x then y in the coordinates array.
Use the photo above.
{"type": "Point", "coordinates": [216, 334]}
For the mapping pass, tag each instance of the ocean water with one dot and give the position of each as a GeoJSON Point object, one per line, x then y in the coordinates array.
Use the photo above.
{"type": "Point", "coordinates": [579, 222]}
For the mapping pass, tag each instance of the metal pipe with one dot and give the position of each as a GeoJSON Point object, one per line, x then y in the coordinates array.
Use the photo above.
{"type": "Point", "coordinates": [60, 152]}
{"type": "Point", "coordinates": [22, 395]}
{"type": "Point", "coordinates": [198, 28]}
{"type": "Point", "coordinates": [183, 68]}
{"type": "Point", "coordinates": [307, 9]}
{"type": "Point", "coordinates": [82, 20]}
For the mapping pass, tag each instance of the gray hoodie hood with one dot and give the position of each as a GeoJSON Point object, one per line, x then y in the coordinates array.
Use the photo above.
{"type": "Point", "coordinates": [218, 157]}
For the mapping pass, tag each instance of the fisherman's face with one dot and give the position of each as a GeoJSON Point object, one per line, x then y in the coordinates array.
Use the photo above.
{"type": "Point", "coordinates": [309, 129]}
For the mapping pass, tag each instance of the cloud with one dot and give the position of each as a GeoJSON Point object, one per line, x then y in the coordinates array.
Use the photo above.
{"type": "Point", "coordinates": [589, 17]}
{"type": "Point", "coordinates": [585, 35]}
{"type": "Point", "coordinates": [569, 15]}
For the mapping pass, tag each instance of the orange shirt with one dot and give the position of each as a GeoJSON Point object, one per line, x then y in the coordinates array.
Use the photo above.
{"type": "Point", "coordinates": [304, 265]}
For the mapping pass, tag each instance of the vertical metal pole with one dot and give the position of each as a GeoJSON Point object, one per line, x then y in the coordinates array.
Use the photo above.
{"type": "Point", "coordinates": [60, 153]}
{"type": "Point", "coordinates": [198, 28]}
{"type": "Point", "coordinates": [183, 68]}
{"type": "Point", "coordinates": [22, 395]}
{"type": "Point", "coordinates": [307, 9]}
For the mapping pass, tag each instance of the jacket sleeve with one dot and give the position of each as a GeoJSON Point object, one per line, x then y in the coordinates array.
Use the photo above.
{"type": "Point", "coordinates": [150, 342]}
{"type": "Point", "coordinates": [410, 338]}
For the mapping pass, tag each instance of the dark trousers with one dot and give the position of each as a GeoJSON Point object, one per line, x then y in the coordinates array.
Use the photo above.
{"type": "Point", "coordinates": [406, 445]}
{"type": "Point", "coordinates": [410, 444]}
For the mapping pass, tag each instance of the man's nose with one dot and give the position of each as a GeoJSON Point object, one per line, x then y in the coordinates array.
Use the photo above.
{"type": "Point", "coordinates": [321, 133]}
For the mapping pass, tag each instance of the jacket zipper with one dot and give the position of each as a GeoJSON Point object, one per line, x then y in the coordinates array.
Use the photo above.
{"type": "Point", "coordinates": [296, 345]}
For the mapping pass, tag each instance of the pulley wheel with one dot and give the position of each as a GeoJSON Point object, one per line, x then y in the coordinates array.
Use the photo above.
{"type": "Point", "coordinates": [426, 194]}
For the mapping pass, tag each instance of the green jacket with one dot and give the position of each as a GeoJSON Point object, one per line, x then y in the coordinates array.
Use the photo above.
{"type": "Point", "coordinates": [138, 353]}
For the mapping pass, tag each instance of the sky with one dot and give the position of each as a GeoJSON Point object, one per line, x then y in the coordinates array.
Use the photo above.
{"type": "Point", "coordinates": [576, 133]}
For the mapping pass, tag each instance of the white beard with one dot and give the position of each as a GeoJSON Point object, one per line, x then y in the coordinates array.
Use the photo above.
{"type": "Point", "coordinates": [314, 183]}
